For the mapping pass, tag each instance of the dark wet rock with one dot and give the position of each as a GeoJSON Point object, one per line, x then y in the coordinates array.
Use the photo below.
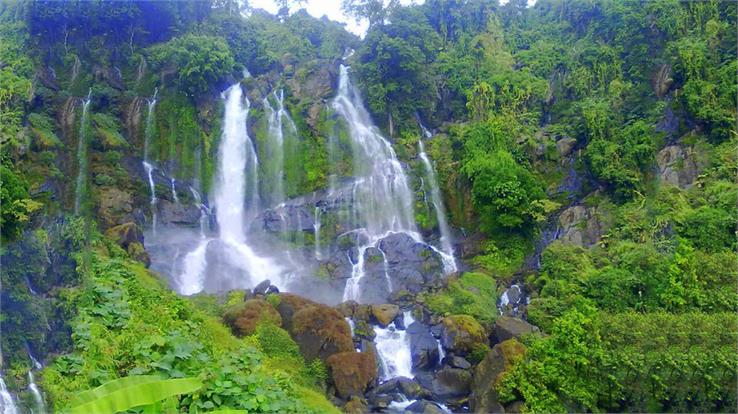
{"type": "Point", "coordinates": [412, 389]}
{"type": "Point", "coordinates": [484, 397]}
{"type": "Point", "coordinates": [507, 327]}
{"type": "Point", "coordinates": [178, 213]}
{"type": "Point", "coordinates": [289, 218]}
{"type": "Point", "coordinates": [424, 407]}
{"type": "Point", "coordinates": [410, 266]}
{"type": "Point", "coordinates": [47, 76]}
{"type": "Point", "coordinates": [381, 401]}
{"type": "Point", "coordinates": [462, 334]}
{"type": "Point", "coordinates": [423, 347]}
{"type": "Point", "coordinates": [447, 383]}
{"type": "Point", "coordinates": [362, 313]}
{"type": "Point", "coordinates": [262, 287]}
{"type": "Point", "coordinates": [459, 362]}
{"type": "Point", "coordinates": [272, 290]}
{"type": "Point", "coordinates": [352, 372]}
{"type": "Point", "coordinates": [388, 386]}
{"type": "Point", "coordinates": [385, 314]}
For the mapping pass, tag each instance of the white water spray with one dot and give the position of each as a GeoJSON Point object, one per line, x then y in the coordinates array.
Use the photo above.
{"type": "Point", "coordinates": [393, 347]}
{"type": "Point", "coordinates": [152, 190]}
{"type": "Point", "coordinates": [148, 133]}
{"type": "Point", "coordinates": [7, 404]}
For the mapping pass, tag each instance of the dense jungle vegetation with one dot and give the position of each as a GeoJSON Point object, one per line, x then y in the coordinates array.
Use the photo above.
{"type": "Point", "coordinates": [585, 149]}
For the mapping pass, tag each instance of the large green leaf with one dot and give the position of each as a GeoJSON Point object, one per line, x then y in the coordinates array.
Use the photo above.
{"type": "Point", "coordinates": [125, 393]}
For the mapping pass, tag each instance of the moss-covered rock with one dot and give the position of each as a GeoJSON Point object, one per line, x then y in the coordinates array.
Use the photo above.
{"type": "Point", "coordinates": [115, 206]}
{"type": "Point", "coordinates": [321, 331]}
{"type": "Point", "coordinates": [385, 314]}
{"type": "Point", "coordinates": [352, 372]}
{"type": "Point", "coordinates": [243, 318]}
{"type": "Point", "coordinates": [355, 406]}
{"type": "Point", "coordinates": [484, 397]}
{"type": "Point", "coordinates": [462, 334]}
{"type": "Point", "coordinates": [507, 327]}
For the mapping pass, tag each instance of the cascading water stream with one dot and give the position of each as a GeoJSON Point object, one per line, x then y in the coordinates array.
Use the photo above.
{"type": "Point", "coordinates": [37, 396]}
{"type": "Point", "coordinates": [7, 404]}
{"type": "Point", "coordinates": [447, 249]}
{"type": "Point", "coordinates": [203, 212]}
{"type": "Point", "coordinates": [152, 189]}
{"type": "Point", "coordinates": [393, 348]}
{"type": "Point", "coordinates": [81, 185]}
{"type": "Point", "coordinates": [382, 200]}
{"type": "Point", "coordinates": [274, 161]}
{"type": "Point", "coordinates": [235, 199]}
{"type": "Point", "coordinates": [148, 133]}
{"type": "Point", "coordinates": [316, 232]}
{"type": "Point", "coordinates": [174, 190]}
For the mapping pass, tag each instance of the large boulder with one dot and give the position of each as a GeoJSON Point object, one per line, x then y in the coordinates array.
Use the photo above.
{"type": "Point", "coordinates": [508, 327]}
{"type": "Point", "coordinates": [565, 145]}
{"type": "Point", "coordinates": [677, 166]}
{"type": "Point", "coordinates": [423, 346]}
{"type": "Point", "coordinates": [447, 383]}
{"type": "Point", "coordinates": [288, 305]}
{"type": "Point", "coordinates": [581, 225]}
{"type": "Point", "coordinates": [399, 263]}
{"type": "Point", "coordinates": [125, 234]}
{"type": "Point", "coordinates": [462, 334]}
{"type": "Point", "coordinates": [352, 372]}
{"type": "Point", "coordinates": [244, 317]}
{"type": "Point", "coordinates": [321, 331]}
{"type": "Point", "coordinates": [385, 314]}
{"type": "Point", "coordinates": [484, 397]}
{"type": "Point", "coordinates": [178, 213]}
{"type": "Point", "coordinates": [355, 406]}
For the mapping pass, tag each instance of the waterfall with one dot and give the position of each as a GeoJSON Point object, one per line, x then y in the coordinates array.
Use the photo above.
{"type": "Point", "coordinates": [7, 405]}
{"type": "Point", "coordinates": [447, 249]}
{"type": "Point", "coordinates": [174, 190]}
{"type": "Point", "coordinates": [37, 396]}
{"type": "Point", "coordinates": [316, 232]}
{"type": "Point", "coordinates": [148, 134]}
{"type": "Point", "coordinates": [393, 348]}
{"type": "Point", "coordinates": [152, 189]}
{"type": "Point", "coordinates": [274, 148]}
{"type": "Point", "coordinates": [203, 212]}
{"type": "Point", "coordinates": [81, 187]}
{"type": "Point", "coordinates": [235, 198]}
{"type": "Point", "coordinates": [382, 200]}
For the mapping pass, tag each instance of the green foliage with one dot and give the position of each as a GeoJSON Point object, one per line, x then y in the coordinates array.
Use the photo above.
{"type": "Point", "coordinates": [628, 362]}
{"type": "Point", "coordinates": [107, 131]}
{"type": "Point", "coordinates": [42, 129]}
{"type": "Point", "coordinates": [129, 392]}
{"type": "Point", "coordinates": [471, 294]}
{"type": "Point", "coordinates": [15, 77]}
{"type": "Point", "coordinates": [199, 61]}
{"type": "Point", "coordinates": [17, 205]}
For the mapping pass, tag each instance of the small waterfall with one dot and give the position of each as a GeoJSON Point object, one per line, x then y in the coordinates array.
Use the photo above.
{"type": "Point", "coordinates": [174, 190]}
{"type": "Point", "coordinates": [140, 70]}
{"type": "Point", "coordinates": [148, 134]}
{"type": "Point", "coordinates": [382, 200]}
{"type": "Point", "coordinates": [81, 187]}
{"type": "Point", "coordinates": [447, 249]}
{"type": "Point", "coordinates": [393, 347]}
{"type": "Point", "coordinates": [274, 160]}
{"type": "Point", "coordinates": [7, 404]}
{"type": "Point", "coordinates": [152, 189]}
{"type": "Point", "coordinates": [235, 198]}
{"type": "Point", "coordinates": [37, 396]}
{"type": "Point", "coordinates": [75, 70]}
{"type": "Point", "coordinates": [203, 212]}
{"type": "Point", "coordinates": [316, 232]}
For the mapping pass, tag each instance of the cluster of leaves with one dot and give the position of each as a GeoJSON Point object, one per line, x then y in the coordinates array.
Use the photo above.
{"type": "Point", "coordinates": [630, 362]}
{"type": "Point", "coordinates": [471, 294]}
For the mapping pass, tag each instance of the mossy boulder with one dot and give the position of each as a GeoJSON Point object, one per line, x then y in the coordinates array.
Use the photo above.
{"type": "Point", "coordinates": [352, 372]}
{"type": "Point", "coordinates": [385, 314]}
{"type": "Point", "coordinates": [288, 305]}
{"type": "Point", "coordinates": [489, 372]}
{"type": "Point", "coordinates": [125, 234]}
{"type": "Point", "coordinates": [355, 406]}
{"type": "Point", "coordinates": [462, 334]}
{"type": "Point", "coordinates": [115, 206]}
{"type": "Point", "coordinates": [507, 327]}
{"type": "Point", "coordinates": [243, 318]}
{"type": "Point", "coordinates": [320, 331]}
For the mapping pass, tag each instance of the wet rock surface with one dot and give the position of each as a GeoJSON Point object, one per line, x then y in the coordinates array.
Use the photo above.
{"type": "Point", "coordinates": [484, 397]}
